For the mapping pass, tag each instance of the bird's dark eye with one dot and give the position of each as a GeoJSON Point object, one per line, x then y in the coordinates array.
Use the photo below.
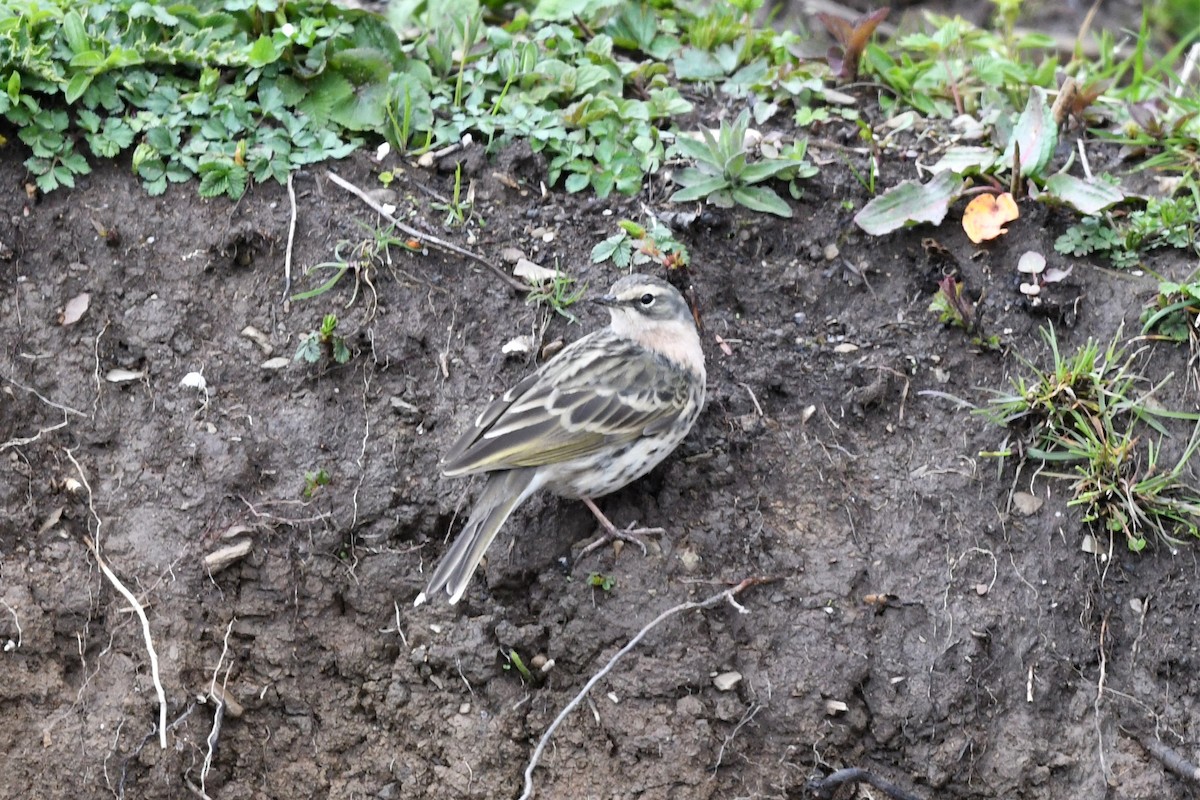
{"type": "Point", "coordinates": [647, 300]}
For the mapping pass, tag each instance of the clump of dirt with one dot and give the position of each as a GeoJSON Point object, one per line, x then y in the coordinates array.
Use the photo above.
{"type": "Point", "coordinates": [912, 625]}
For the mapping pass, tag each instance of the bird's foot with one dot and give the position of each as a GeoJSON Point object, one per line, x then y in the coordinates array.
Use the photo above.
{"type": "Point", "coordinates": [630, 534]}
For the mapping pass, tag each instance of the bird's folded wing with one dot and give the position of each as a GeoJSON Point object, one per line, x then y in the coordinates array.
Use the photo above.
{"type": "Point", "coordinates": [576, 405]}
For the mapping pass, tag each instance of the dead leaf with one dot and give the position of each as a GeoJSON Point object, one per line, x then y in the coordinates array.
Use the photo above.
{"type": "Point", "coordinates": [51, 520]}
{"type": "Point", "coordinates": [75, 308]}
{"type": "Point", "coordinates": [986, 214]}
{"type": "Point", "coordinates": [123, 375]}
{"type": "Point", "coordinates": [1055, 274]}
{"type": "Point", "coordinates": [536, 274]}
{"type": "Point", "coordinates": [852, 38]}
{"type": "Point", "coordinates": [1026, 503]}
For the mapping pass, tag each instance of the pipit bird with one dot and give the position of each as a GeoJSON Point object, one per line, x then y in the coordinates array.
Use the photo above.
{"type": "Point", "coordinates": [599, 415]}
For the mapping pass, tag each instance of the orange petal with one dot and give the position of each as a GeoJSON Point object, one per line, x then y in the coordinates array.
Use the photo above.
{"type": "Point", "coordinates": [986, 214]}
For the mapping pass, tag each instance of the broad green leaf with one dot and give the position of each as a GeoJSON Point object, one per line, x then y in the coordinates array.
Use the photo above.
{"type": "Point", "coordinates": [699, 190]}
{"type": "Point", "coordinates": [761, 170]}
{"type": "Point", "coordinates": [964, 160]}
{"type": "Point", "coordinates": [264, 51]}
{"type": "Point", "coordinates": [605, 249]}
{"type": "Point", "coordinates": [72, 26]}
{"type": "Point", "coordinates": [88, 59]}
{"type": "Point", "coordinates": [577, 182]}
{"type": "Point", "coordinates": [77, 86]}
{"type": "Point", "coordinates": [760, 198]}
{"type": "Point", "coordinates": [1036, 134]}
{"type": "Point", "coordinates": [1086, 197]}
{"type": "Point", "coordinates": [909, 203]}
{"type": "Point", "coordinates": [697, 65]}
{"type": "Point", "coordinates": [694, 149]}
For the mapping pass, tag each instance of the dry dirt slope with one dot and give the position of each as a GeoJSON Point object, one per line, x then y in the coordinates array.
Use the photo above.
{"type": "Point", "coordinates": [1008, 665]}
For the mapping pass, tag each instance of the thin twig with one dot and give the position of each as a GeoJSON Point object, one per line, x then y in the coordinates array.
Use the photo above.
{"type": "Point", "coordinates": [24, 440]}
{"type": "Point", "coordinates": [1170, 758]}
{"type": "Point", "coordinates": [750, 714]}
{"type": "Point", "coordinates": [141, 612]}
{"type": "Point", "coordinates": [1100, 697]}
{"type": "Point", "coordinates": [51, 403]}
{"type": "Point", "coordinates": [287, 255]}
{"type": "Point", "coordinates": [728, 595]}
{"type": "Point", "coordinates": [432, 241]}
{"type": "Point", "coordinates": [753, 399]}
{"type": "Point", "coordinates": [219, 712]}
{"type": "Point", "coordinates": [196, 790]}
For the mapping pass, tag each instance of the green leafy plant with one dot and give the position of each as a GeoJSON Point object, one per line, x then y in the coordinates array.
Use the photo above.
{"type": "Point", "coordinates": [459, 207]}
{"type": "Point", "coordinates": [224, 93]}
{"type": "Point", "coordinates": [1087, 413]}
{"type": "Point", "coordinates": [323, 341]}
{"type": "Point", "coordinates": [1169, 222]}
{"type": "Point", "coordinates": [636, 245]}
{"type": "Point", "coordinates": [604, 583]}
{"type": "Point", "coordinates": [1174, 315]}
{"type": "Point", "coordinates": [1175, 312]}
{"type": "Point", "coordinates": [723, 175]}
{"type": "Point", "coordinates": [313, 481]}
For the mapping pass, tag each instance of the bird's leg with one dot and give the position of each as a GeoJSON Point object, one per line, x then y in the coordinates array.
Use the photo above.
{"type": "Point", "coordinates": [611, 532]}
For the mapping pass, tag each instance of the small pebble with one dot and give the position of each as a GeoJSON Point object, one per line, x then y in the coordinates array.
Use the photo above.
{"type": "Point", "coordinates": [727, 680]}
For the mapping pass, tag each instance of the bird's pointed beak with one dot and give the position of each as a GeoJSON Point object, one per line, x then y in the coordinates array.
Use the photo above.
{"type": "Point", "coordinates": [609, 300]}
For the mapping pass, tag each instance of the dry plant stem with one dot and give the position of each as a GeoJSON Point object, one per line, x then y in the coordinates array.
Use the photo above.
{"type": "Point", "coordinates": [1100, 696]}
{"type": "Point", "coordinates": [141, 613]}
{"type": "Point", "coordinates": [728, 595]}
{"type": "Point", "coordinates": [1171, 759]}
{"type": "Point", "coordinates": [433, 241]}
{"type": "Point", "coordinates": [195, 790]}
{"type": "Point", "coordinates": [21, 442]}
{"type": "Point", "coordinates": [287, 256]}
{"type": "Point", "coordinates": [47, 401]}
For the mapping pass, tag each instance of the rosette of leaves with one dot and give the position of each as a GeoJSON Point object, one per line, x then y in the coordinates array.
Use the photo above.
{"type": "Point", "coordinates": [723, 174]}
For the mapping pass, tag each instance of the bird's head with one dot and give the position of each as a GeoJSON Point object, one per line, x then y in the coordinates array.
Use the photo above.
{"type": "Point", "coordinates": [653, 312]}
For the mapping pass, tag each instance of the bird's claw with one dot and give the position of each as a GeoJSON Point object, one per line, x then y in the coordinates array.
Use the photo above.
{"type": "Point", "coordinates": [629, 534]}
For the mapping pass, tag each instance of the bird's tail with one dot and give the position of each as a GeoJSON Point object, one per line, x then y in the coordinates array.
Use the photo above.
{"type": "Point", "coordinates": [501, 494]}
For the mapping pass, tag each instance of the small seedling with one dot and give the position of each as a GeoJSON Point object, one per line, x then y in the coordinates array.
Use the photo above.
{"type": "Point", "coordinates": [512, 660]}
{"type": "Point", "coordinates": [557, 294]}
{"type": "Point", "coordinates": [313, 481]}
{"type": "Point", "coordinates": [458, 209]}
{"type": "Point", "coordinates": [363, 258]}
{"type": "Point", "coordinates": [326, 340]}
{"type": "Point", "coordinates": [604, 583]}
{"type": "Point", "coordinates": [954, 308]}
{"type": "Point", "coordinates": [1175, 313]}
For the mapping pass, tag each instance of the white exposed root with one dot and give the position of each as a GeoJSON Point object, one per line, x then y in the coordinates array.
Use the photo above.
{"type": "Point", "coordinates": [94, 546]}
{"type": "Point", "coordinates": [727, 595]}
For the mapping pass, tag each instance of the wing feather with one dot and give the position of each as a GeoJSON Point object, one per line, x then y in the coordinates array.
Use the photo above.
{"type": "Point", "coordinates": [602, 390]}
